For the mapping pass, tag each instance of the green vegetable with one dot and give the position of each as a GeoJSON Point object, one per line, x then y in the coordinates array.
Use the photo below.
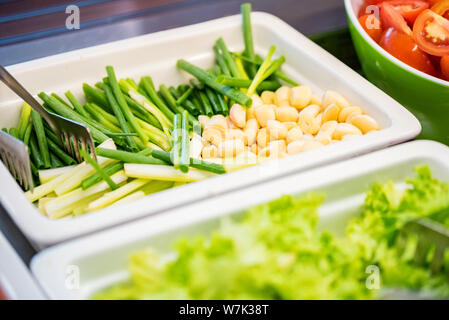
{"type": "Point", "coordinates": [221, 62]}
{"type": "Point", "coordinates": [184, 96]}
{"type": "Point", "coordinates": [124, 108]}
{"type": "Point", "coordinates": [168, 98]}
{"type": "Point", "coordinates": [102, 173]}
{"type": "Point", "coordinates": [248, 35]}
{"type": "Point", "coordinates": [261, 72]}
{"type": "Point", "coordinates": [184, 160]}
{"type": "Point", "coordinates": [14, 132]}
{"type": "Point", "coordinates": [55, 162]}
{"type": "Point", "coordinates": [120, 117]}
{"type": "Point", "coordinates": [243, 83]}
{"type": "Point", "coordinates": [96, 96]}
{"type": "Point", "coordinates": [275, 65]}
{"type": "Point", "coordinates": [174, 92]}
{"type": "Point", "coordinates": [75, 103]}
{"type": "Point", "coordinates": [101, 116]}
{"type": "Point", "coordinates": [241, 68]}
{"type": "Point", "coordinates": [175, 154]}
{"type": "Point", "coordinates": [194, 163]}
{"type": "Point", "coordinates": [24, 120]}
{"type": "Point", "coordinates": [34, 151]}
{"type": "Point", "coordinates": [38, 126]}
{"type": "Point", "coordinates": [147, 84]}
{"type": "Point", "coordinates": [128, 157]}
{"type": "Point", "coordinates": [205, 103]}
{"type": "Point", "coordinates": [141, 102]}
{"type": "Point", "coordinates": [27, 135]}
{"type": "Point", "coordinates": [278, 74]}
{"type": "Point", "coordinates": [143, 113]}
{"type": "Point", "coordinates": [275, 251]}
{"type": "Point", "coordinates": [67, 112]}
{"type": "Point", "coordinates": [57, 97]}
{"type": "Point", "coordinates": [209, 80]}
{"type": "Point", "coordinates": [68, 160]}
{"type": "Point", "coordinates": [207, 166]}
{"type": "Point", "coordinates": [96, 177]}
{"type": "Point", "coordinates": [228, 58]}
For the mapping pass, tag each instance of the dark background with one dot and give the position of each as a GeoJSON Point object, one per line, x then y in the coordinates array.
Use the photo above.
{"type": "Point", "coordinates": [31, 29]}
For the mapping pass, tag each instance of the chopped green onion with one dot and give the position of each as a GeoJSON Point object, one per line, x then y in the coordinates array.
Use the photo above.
{"type": "Point", "coordinates": [209, 80]}
{"type": "Point", "coordinates": [248, 35]}
{"type": "Point", "coordinates": [185, 143]}
{"type": "Point", "coordinates": [128, 157]}
{"type": "Point", "coordinates": [24, 120]}
{"type": "Point", "coordinates": [260, 75]}
{"type": "Point", "coordinates": [41, 139]}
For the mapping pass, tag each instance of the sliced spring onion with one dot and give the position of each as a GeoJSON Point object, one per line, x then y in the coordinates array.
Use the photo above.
{"type": "Point", "coordinates": [165, 173]}
{"type": "Point", "coordinates": [49, 174]}
{"type": "Point", "coordinates": [105, 176]}
{"type": "Point", "coordinates": [63, 205]}
{"type": "Point", "coordinates": [113, 196]}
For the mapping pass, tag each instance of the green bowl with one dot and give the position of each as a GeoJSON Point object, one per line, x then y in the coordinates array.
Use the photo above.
{"type": "Point", "coordinates": [425, 96]}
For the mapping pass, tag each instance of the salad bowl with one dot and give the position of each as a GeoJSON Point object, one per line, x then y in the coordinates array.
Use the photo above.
{"type": "Point", "coordinates": [424, 95]}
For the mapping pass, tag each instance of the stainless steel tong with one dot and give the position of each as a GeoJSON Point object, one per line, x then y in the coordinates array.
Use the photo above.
{"type": "Point", "coordinates": [431, 235]}
{"type": "Point", "coordinates": [14, 154]}
{"type": "Point", "coordinates": [71, 134]}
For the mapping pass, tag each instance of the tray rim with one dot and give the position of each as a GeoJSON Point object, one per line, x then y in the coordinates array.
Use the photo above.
{"type": "Point", "coordinates": [16, 279]}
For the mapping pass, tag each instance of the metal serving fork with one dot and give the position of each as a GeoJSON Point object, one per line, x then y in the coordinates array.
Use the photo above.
{"type": "Point", "coordinates": [14, 154]}
{"type": "Point", "coordinates": [70, 133]}
{"type": "Point", "coordinates": [430, 234]}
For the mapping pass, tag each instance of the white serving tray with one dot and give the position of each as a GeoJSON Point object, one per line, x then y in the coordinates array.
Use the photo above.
{"type": "Point", "coordinates": [101, 259]}
{"type": "Point", "coordinates": [16, 280]}
{"type": "Point", "coordinates": [156, 54]}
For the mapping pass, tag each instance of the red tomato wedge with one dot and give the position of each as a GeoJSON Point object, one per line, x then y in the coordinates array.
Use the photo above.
{"type": "Point", "coordinates": [444, 64]}
{"type": "Point", "coordinates": [441, 8]}
{"type": "Point", "coordinates": [432, 2]}
{"type": "Point", "coordinates": [391, 18]}
{"type": "Point", "coordinates": [372, 26]}
{"type": "Point", "coordinates": [404, 48]}
{"type": "Point", "coordinates": [431, 33]}
{"type": "Point", "coordinates": [409, 9]}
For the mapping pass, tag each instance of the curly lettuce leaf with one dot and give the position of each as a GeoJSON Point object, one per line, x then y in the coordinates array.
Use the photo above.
{"type": "Point", "coordinates": [275, 252]}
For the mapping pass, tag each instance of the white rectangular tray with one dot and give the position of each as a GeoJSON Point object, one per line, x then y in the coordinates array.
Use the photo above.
{"type": "Point", "coordinates": [156, 54]}
{"type": "Point", "coordinates": [102, 259]}
{"type": "Point", "coordinates": [16, 280]}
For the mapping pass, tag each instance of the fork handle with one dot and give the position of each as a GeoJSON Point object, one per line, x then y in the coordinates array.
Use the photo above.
{"type": "Point", "coordinates": [15, 86]}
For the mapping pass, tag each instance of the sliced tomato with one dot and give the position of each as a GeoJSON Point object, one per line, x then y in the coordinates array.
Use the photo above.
{"type": "Point", "coordinates": [372, 26]}
{"type": "Point", "coordinates": [431, 33]}
{"type": "Point", "coordinates": [409, 9]}
{"type": "Point", "coordinates": [441, 8]}
{"type": "Point", "coordinates": [433, 2]}
{"type": "Point", "coordinates": [404, 48]}
{"type": "Point", "coordinates": [390, 18]}
{"type": "Point", "coordinates": [444, 64]}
